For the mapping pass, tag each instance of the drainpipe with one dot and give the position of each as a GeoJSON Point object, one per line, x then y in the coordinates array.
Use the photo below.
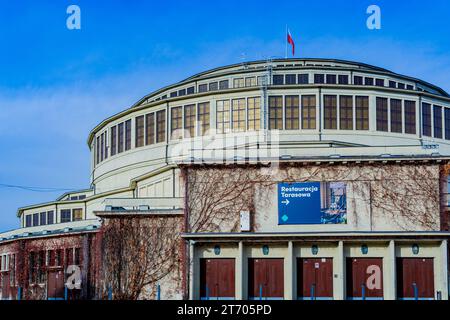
{"type": "Point", "coordinates": [187, 267]}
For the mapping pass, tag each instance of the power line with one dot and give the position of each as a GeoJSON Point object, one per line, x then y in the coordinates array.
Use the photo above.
{"type": "Point", "coordinates": [35, 189]}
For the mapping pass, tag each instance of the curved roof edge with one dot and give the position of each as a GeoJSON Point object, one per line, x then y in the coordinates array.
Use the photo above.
{"type": "Point", "coordinates": [291, 60]}
{"type": "Point", "coordinates": [368, 67]}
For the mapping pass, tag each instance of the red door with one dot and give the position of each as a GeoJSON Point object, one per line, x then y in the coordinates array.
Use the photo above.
{"type": "Point", "coordinates": [315, 278]}
{"type": "Point", "coordinates": [217, 278]}
{"type": "Point", "coordinates": [265, 278]}
{"type": "Point", "coordinates": [415, 278]}
{"type": "Point", "coordinates": [364, 278]}
{"type": "Point", "coordinates": [55, 285]}
{"type": "Point", "coordinates": [5, 286]}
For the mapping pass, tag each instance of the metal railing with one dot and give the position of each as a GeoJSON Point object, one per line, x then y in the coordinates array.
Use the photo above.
{"type": "Point", "coordinates": [142, 204]}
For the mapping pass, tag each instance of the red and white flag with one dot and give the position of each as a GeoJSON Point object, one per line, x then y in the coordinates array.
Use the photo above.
{"type": "Point", "coordinates": [291, 42]}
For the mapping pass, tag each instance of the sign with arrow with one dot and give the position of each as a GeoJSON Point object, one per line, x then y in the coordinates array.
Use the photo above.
{"type": "Point", "coordinates": [304, 203]}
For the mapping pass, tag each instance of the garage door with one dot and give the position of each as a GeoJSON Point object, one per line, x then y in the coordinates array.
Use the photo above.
{"type": "Point", "coordinates": [217, 279]}
{"type": "Point", "coordinates": [55, 285]}
{"type": "Point", "coordinates": [265, 278]}
{"type": "Point", "coordinates": [315, 278]}
{"type": "Point", "coordinates": [6, 294]}
{"type": "Point", "coordinates": [364, 278]}
{"type": "Point", "coordinates": [415, 278]}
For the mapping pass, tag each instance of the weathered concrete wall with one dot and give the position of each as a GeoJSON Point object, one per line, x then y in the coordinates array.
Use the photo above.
{"type": "Point", "coordinates": [19, 251]}
{"type": "Point", "coordinates": [380, 197]}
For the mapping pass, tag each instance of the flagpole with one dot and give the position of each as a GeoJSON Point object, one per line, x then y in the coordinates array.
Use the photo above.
{"type": "Point", "coordinates": [285, 39]}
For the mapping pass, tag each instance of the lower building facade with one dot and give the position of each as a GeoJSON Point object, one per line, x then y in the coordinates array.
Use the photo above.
{"type": "Point", "coordinates": [304, 267]}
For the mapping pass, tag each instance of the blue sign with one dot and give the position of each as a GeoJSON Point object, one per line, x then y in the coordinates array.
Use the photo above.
{"type": "Point", "coordinates": [312, 203]}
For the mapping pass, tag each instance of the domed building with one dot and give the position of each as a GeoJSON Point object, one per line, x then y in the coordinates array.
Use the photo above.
{"type": "Point", "coordinates": [283, 179]}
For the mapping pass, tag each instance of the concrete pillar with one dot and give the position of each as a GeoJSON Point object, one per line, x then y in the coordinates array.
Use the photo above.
{"type": "Point", "coordinates": [339, 274]}
{"type": "Point", "coordinates": [239, 284]}
{"type": "Point", "coordinates": [192, 294]}
{"type": "Point", "coordinates": [289, 273]}
{"type": "Point", "coordinates": [444, 269]}
{"type": "Point", "coordinates": [390, 277]}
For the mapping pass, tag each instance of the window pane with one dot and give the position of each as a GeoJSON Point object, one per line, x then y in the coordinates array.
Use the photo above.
{"type": "Point", "coordinates": [309, 112]}
{"type": "Point", "coordinates": [223, 84]}
{"type": "Point", "coordinates": [319, 78]}
{"type": "Point", "coordinates": [150, 129]}
{"type": "Point", "coordinates": [410, 117]}
{"type": "Point", "coordinates": [190, 90]}
{"type": "Point", "coordinates": [254, 111]}
{"type": "Point", "coordinates": [250, 81]}
{"type": "Point", "coordinates": [238, 114]}
{"type": "Point", "coordinates": [223, 116]}
{"type": "Point", "coordinates": [278, 79]}
{"type": "Point", "coordinates": [382, 114]}
{"type": "Point", "coordinates": [50, 217]}
{"type": "Point", "coordinates": [140, 131]}
{"type": "Point", "coordinates": [292, 115]}
{"type": "Point", "coordinates": [127, 135]}
{"type": "Point", "coordinates": [291, 79]}
{"type": "Point", "coordinates": [203, 117]}
{"type": "Point", "coordinates": [105, 152]}
{"type": "Point", "coordinates": [368, 81]}
{"type": "Point", "coordinates": [213, 86]}
{"type": "Point", "coordinates": [121, 140]}
{"type": "Point", "coordinates": [35, 219]}
{"type": "Point", "coordinates": [426, 119]}
{"type": "Point", "coordinates": [343, 79]}
{"type": "Point", "coordinates": [176, 123]}
{"type": "Point", "coordinates": [275, 112]}
{"type": "Point", "coordinates": [77, 214]}
{"type": "Point", "coordinates": [447, 123]}
{"type": "Point", "coordinates": [357, 80]}
{"type": "Point", "coordinates": [161, 126]}
{"type": "Point", "coordinates": [303, 78]}
{"type": "Point", "coordinates": [28, 220]}
{"type": "Point", "coordinates": [396, 116]}
{"type": "Point", "coordinates": [362, 113]}
{"type": "Point", "coordinates": [113, 140]}
{"type": "Point", "coordinates": [97, 151]}
{"type": "Point", "coordinates": [437, 121]}
{"type": "Point", "coordinates": [43, 218]}
{"type": "Point", "coordinates": [65, 215]}
{"type": "Point", "coordinates": [238, 83]}
{"type": "Point", "coordinates": [379, 82]}
{"type": "Point", "coordinates": [331, 79]}
{"type": "Point", "coordinates": [345, 112]}
{"type": "Point", "coordinates": [189, 120]}
{"type": "Point", "coordinates": [330, 112]}
{"type": "Point", "coordinates": [102, 147]}
{"type": "Point", "coordinates": [203, 88]}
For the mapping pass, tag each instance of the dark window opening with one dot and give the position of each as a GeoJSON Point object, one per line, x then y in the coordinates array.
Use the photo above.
{"type": "Point", "coordinates": [343, 79]}
{"type": "Point", "coordinates": [426, 119]}
{"type": "Point", "coordinates": [396, 116]}
{"type": "Point", "coordinates": [303, 78]}
{"type": "Point", "coordinates": [331, 79]}
{"type": "Point", "coordinates": [382, 114]}
{"type": "Point", "coordinates": [330, 112]}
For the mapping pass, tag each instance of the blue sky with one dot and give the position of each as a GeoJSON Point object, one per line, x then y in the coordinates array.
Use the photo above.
{"type": "Point", "coordinates": [56, 84]}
